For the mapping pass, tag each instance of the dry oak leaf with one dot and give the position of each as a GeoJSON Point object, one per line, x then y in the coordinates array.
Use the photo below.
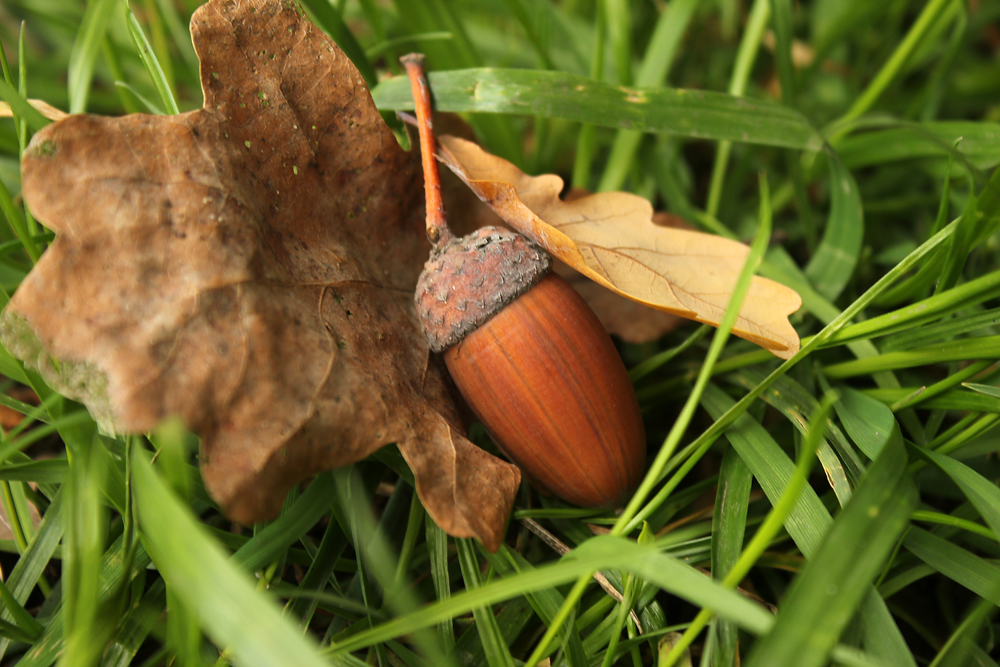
{"type": "Point", "coordinates": [622, 317]}
{"type": "Point", "coordinates": [629, 320]}
{"type": "Point", "coordinates": [250, 267]}
{"type": "Point", "coordinates": [610, 238]}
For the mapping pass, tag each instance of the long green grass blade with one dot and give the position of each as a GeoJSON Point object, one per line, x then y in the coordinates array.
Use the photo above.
{"type": "Point", "coordinates": [497, 652]}
{"type": "Point", "coordinates": [782, 19]}
{"type": "Point", "coordinates": [975, 142]}
{"type": "Point", "coordinates": [545, 603]}
{"type": "Point", "coordinates": [22, 619]}
{"type": "Point", "coordinates": [980, 576]}
{"type": "Point", "coordinates": [869, 423]}
{"type": "Point", "coordinates": [832, 267]}
{"type": "Point", "coordinates": [947, 329]}
{"type": "Point", "coordinates": [18, 223]}
{"type": "Point", "coordinates": [601, 553]}
{"type": "Point", "coordinates": [949, 520]}
{"type": "Point", "coordinates": [981, 492]}
{"type": "Point", "coordinates": [895, 65]}
{"type": "Point", "coordinates": [825, 595]}
{"type": "Point", "coordinates": [278, 535]}
{"type": "Point", "coordinates": [745, 57]}
{"type": "Point", "coordinates": [176, 26]}
{"type": "Point", "coordinates": [986, 347]}
{"type": "Point", "coordinates": [136, 627]}
{"type": "Point", "coordinates": [617, 16]}
{"type": "Point", "coordinates": [922, 312]}
{"type": "Point", "coordinates": [660, 55]}
{"type": "Point", "coordinates": [799, 405]}
{"type": "Point", "coordinates": [935, 398]}
{"type": "Point", "coordinates": [20, 106]}
{"type": "Point", "coordinates": [767, 531]}
{"type": "Point", "coordinates": [151, 62]}
{"type": "Point", "coordinates": [88, 625]}
{"type": "Point", "coordinates": [808, 522]}
{"type": "Point", "coordinates": [535, 35]}
{"type": "Point", "coordinates": [204, 579]}
{"type": "Point", "coordinates": [437, 545]}
{"type": "Point", "coordinates": [52, 471]}
{"type": "Point", "coordinates": [318, 575]}
{"type": "Point", "coordinates": [728, 526]}
{"type": "Point", "coordinates": [85, 50]}
{"type": "Point", "coordinates": [961, 649]}
{"type": "Point", "coordinates": [687, 113]}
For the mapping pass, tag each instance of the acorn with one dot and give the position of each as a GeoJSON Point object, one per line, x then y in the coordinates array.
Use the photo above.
{"type": "Point", "coordinates": [526, 352]}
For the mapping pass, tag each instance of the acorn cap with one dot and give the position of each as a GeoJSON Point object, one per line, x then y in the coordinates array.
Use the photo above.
{"type": "Point", "coordinates": [468, 280]}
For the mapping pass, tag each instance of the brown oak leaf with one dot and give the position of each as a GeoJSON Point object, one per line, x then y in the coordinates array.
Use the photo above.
{"type": "Point", "coordinates": [250, 266]}
{"type": "Point", "coordinates": [631, 321]}
{"type": "Point", "coordinates": [611, 238]}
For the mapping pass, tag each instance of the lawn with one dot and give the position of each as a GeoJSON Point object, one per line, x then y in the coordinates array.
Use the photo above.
{"type": "Point", "coordinates": [836, 505]}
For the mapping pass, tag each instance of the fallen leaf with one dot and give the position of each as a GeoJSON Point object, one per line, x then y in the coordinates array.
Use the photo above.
{"type": "Point", "coordinates": [250, 267]}
{"type": "Point", "coordinates": [610, 238]}
{"type": "Point", "coordinates": [631, 321]}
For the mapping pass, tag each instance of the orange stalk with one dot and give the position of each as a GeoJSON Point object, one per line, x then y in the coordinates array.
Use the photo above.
{"type": "Point", "coordinates": [437, 226]}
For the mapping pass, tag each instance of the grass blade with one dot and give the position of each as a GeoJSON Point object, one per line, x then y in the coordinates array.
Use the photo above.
{"type": "Point", "coordinates": [545, 603]}
{"type": "Point", "coordinates": [749, 46]}
{"type": "Point", "coordinates": [687, 113]}
{"type": "Point", "coordinates": [922, 312]}
{"type": "Point", "coordinates": [22, 619]}
{"type": "Point", "coordinates": [202, 576]}
{"type": "Point", "coordinates": [985, 347]}
{"type": "Point", "coordinates": [728, 527]}
{"type": "Point", "coordinates": [20, 106]}
{"type": "Point", "coordinates": [869, 423]}
{"type": "Point", "coordinates": [136, 627]}
{"type": "Point", "coordinates": [831, 268]}
{"type": "Point", "coordinates": [278, 535]}
{"type": "Point", "coordinates": [496, 648]}
{"type": "Point", "coordinates": [87, 628]}
{"type": "Point", "coordinates": [824, 596]}
{"type": "Point", "coordinates": [974, 143]}
{"type": "Point", "coordinates": [600, 553]}
{"type": "Point", "coordinates": [660, 55]}
{"type": "Point", "coordinates": [808, 522]}
{"type": "Point", "coordinates": [895, 65]}
{"type": "Point", "coordinates": [85, 49]}
{"type": "Point", "coordinates": [977, 574]}
{"type": "Point", "coordinates": [317, 576]}
{"type": "Point", "coordinates": [437, 544]}
{"type": "Point", "coordinates": [152, 64]}
{"type": "Point", "coordinates": [982, 493]}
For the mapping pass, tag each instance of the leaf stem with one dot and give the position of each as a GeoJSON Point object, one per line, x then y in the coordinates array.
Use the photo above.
{"type": "Point", "coordinates": [437, 226]}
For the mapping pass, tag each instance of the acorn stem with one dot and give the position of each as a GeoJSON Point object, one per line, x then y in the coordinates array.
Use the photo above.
{"type": "Point", "coordinates": [437, 226]}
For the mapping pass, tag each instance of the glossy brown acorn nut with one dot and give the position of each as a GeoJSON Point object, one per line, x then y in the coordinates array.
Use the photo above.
{"type": "Point", "coordinates": [535, 365]}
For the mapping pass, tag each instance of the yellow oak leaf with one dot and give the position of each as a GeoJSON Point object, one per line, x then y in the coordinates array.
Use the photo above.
{"type": "Point", "coordinates": [610, 237]}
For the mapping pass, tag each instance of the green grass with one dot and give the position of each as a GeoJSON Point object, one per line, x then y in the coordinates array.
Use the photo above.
{"type": "Point", "coordinates": [866, 175]}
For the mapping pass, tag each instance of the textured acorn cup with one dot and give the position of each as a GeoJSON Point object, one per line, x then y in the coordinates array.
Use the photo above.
{"type": "Point", "coordinates": [535, 365]}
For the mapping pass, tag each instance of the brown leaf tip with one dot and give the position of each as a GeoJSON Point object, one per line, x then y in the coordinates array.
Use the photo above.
{"type": "Point", "coordinates": [468, 280]}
